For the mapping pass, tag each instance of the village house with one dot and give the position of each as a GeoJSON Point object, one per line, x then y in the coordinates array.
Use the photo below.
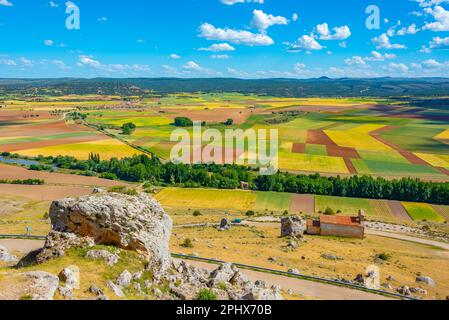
{"type": "Point", "coordinates": [338, 226]}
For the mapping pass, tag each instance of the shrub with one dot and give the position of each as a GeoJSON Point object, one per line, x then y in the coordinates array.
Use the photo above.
{"type": "Point", "coordinates": [250, 213]}
{"type": "Point", "coordinates": [187, 243]}
{"type": "Point", "coordinates": [285, 213]}
{"type": "Point", "coordinates": [197, 213]}
{"type": "Point", "coordinates": [383, 256]}
{"type": "Point", "coordinates": [329, 211]}
{"type": "Point", "coordinates": [206, 294]}
{"type": "Point", "coordinates": [108, 175]}
{"type": "Point", "coordinates": [183, 122]}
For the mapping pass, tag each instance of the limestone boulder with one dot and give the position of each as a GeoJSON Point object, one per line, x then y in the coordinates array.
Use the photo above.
{"type": "Point", "coordinates": [293, 227]}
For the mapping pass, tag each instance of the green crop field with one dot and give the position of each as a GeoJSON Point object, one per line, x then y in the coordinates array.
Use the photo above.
{"type": "Point", "coordinates": [422, 212]}
{"type": "Point", "coordinates": [272, 201]}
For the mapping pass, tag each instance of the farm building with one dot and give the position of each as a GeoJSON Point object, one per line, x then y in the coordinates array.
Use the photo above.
{"type": "Point", "coordinates": [337, 226]}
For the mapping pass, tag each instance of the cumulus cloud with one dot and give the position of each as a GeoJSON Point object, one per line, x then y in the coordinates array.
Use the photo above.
{"type": "Point", "coordinates": [263, 21]}
{"type": "Point", "coordinates": [307, 43]}
{"type": "Point", "coordinates": [323, 32]}
{"type": "Point", "coordinates": [53, 4]}
{"type": "Point", "coordinates": [192, 65]}
{"type": "Point", "coordinates": [383, 42]}
{"type": "Point", "coordinates": [355, 61]}
{"type": "Point", "coordinates": [49, 43]}
{"type": "Point", "coordinates": [401, 67]}
{"type": "Point", "coordinates": [174, 56]}
{"type": "Point", "coordinates": [6, 3]}
{"type": "Point", "coordinates": [218, 47]}
{"type": "Point", "coordinates": [89, 61]}
{"type": "Point", "coordinates": [295, 17]}
{"type": "Point", "coordinates": [220, 56]}
{"type": "Point", "coordinates": [441, 17]}
{"type": "Point", "coordinates": [376, 56]}
{"type": "Point", "coordinates": [19, 62]}
{"type": "Point", "coordinates": [436, 43]}
{"type": "Point", "coordinates": [210, 32]}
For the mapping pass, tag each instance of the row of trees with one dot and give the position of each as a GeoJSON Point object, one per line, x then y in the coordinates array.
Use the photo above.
{"type": "Point", "coordinates": [406, 189]}
{"type": "Point", "coordinates": [143, 168]}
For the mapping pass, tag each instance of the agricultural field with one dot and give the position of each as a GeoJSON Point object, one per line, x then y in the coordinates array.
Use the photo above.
{"type": "Point", "coordinates": [267, 203]}
{"type": "Point", "coordinates": [331, 136]}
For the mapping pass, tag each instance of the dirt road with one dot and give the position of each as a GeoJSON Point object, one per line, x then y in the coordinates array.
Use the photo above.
{"type": "Point", "coordinates": [21, 247]}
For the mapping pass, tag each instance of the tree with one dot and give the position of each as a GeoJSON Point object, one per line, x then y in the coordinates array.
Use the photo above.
{"type": "Point", "coordinates": [183, 122]}
{"type": "Point", "coordinates": [128, 128]}
{"type": "Point", "coordinates": [229, 122]}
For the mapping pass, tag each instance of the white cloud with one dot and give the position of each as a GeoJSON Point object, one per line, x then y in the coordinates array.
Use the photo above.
{"type": "Point", "coordinates": [102, 19]}
{"type": "Point", "coordinates": [49, 43]}
{"type": "Point", "coordinates": [232, 2]}
{"type": "Point", "coordinates": [174, 56]}
{"type": "Point", "coordinates": [411, 29]}
{"type": "Point", "coordinates": [355, 61]}
{"type": "Point", "coordinates": [6, 3]}
{"type": "Point", "coordinates": [441, 17]}
{"type": "Point", "coordinates": [295, 17]}
{"type": "Point", "coordinates": [89, 61]}
{"type": "Point", "coordinates": [193, 66]}
{"type": "Point", "coordinates": [306, 42]}
{"type": "Point", "coordinates": [220, 56]}
{"type": "Point", "coordinates": [393, 67]}
{"type": "Point", "coordinates": [238, 73]}
{"type": "Point", "coordinates": [436, 43]}
{"type": "Point", "coordinates": [383, 42]}
{"type": "Point", "coordinates": [218, 47]}
{"type": "Point", "coordinates": [263, 21]}
{"type": "Point", "coordinates": [53, 4]}
{"type": "Point", "coordinates": [209, 32]}
{"type": "Point", "coordinates": [376, 56]}
{"type": "Point", "coordinates": [338, 33]}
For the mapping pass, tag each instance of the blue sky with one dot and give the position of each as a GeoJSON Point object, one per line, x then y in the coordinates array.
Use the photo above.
{"type": "Point", "coordinates": [224, 38]}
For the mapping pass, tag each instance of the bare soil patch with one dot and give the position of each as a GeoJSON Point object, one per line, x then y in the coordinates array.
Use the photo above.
{"type": "Point", "coordinates": [44, 193]}
{"type": "Point", "coordinates": [336, 151]}
{"type": "Point", "coordinates": [319, 137]}
{"type": "Point", "coordinates": [350, 166]}
{"type": "Point", "coordinates": [299, 148]}
{"type": "Point", "coordinates": [304, 203]}
{"type": "Point", "coordinates": [13, 172]}
{"type": "Point", "coordinates": [399, 211]}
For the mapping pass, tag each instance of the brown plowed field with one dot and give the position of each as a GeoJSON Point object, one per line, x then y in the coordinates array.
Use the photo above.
{"type": "Point", "coordinates": [350, 166]}
{"type": "Point", "coordinates": [44, 193]}
{"type": "Point", "coordinates": [49, 143]}
{"type": "Point", "coordinates": [13, 172]}
{"type": "Point", "coordinates": [299, 148]}
{"type": "Point", "coordinates": [336, 151]}
{"type": "Point", "coordinates": [304, 203]}
{"type": "Point", "coordinates": [319, 137]}
{"type": "Point", "coordinates": [399, 211]}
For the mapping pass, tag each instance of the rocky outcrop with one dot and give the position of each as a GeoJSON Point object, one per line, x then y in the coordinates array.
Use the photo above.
{"type": "Point", "coordinates": [108, 257]}
{"type": "Point", "coordinates": [135, 223]}
{"type": "Point", "coordinates": [225, 224]}
{"type": "Point", "coordinates": [5, 256]}
{"type": "Point", "coordinates": [42, 285]}
{"type": "Point", "coordinates": [293, 227]}
{"type": "Point", "coordinates": [138, 224]}
{"type": "Point", "coordinates": [427, 280]}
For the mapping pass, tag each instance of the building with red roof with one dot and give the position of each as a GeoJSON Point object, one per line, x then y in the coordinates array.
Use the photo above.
{"type": "Point", "coordinates": [338, 226]}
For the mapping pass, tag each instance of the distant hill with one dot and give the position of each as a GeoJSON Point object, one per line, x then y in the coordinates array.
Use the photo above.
{"type": "Point", "coordinates": [323, 87]}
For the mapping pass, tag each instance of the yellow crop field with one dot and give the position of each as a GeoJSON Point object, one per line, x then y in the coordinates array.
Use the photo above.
{"type": "Point", "coordinates": [108, 148]}
{"type": "Point", "coordinates": [443, 135]}
{"type": "Point", "coordinates": [357, 140]}
{"type": "Point", "coordinates": [435, 160]}
{"type": "Point", "coordinates": [207, 198]}
{"type": "Point", "coordinates": [367, 128]}
{"type": "Point", "coordinates": [312, 163]}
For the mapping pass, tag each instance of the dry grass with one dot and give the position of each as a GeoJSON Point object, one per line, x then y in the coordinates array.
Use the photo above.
{"type": "Point", "coordinates": [254, 246]}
